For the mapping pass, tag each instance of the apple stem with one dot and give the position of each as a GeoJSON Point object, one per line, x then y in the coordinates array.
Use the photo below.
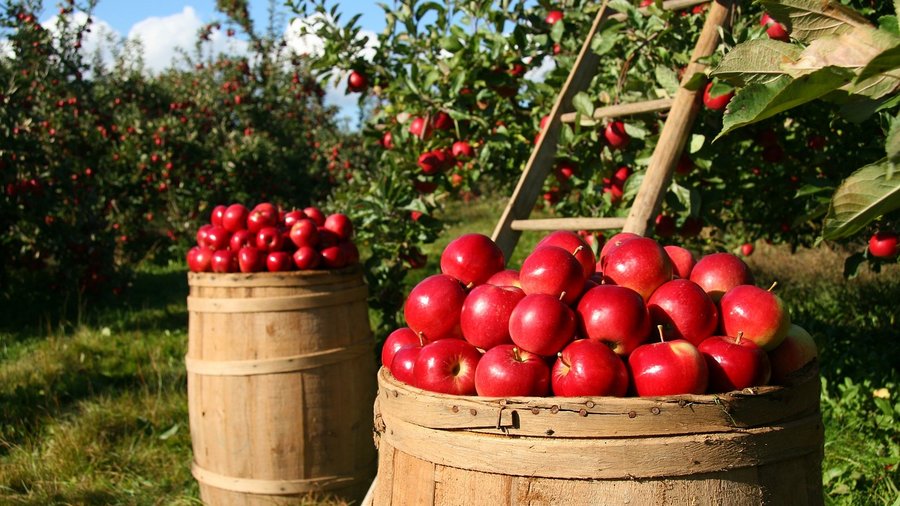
{"type": "Point", "coordinates": [774, 284]}
{"type": "Point", "coordinates": [739, 336]}
{"type": "Point", "coordinates": [577, 250]}
{"type": "Point", "coordinates": [662, 336]}
{"type": "Point", "coordinates": [560, 357]}
{"type": "Point", "coordinates": [421, 338]}
{"type": "Point", "coordinates": [470, 285]}
{"type": "Point", "coordinates": [516, 354]}
{"type": "Point", "coordinates": [562, 295]}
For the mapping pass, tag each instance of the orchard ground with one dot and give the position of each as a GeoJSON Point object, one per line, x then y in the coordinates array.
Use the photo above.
{"type": "Point", "coordinates": [94, 411]}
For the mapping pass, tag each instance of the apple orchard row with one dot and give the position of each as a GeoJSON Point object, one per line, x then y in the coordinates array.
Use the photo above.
{"type": "Point", "coordinates": [642, 319]}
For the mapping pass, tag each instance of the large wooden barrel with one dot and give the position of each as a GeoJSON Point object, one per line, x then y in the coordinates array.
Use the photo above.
{"type": "Point", "coordinates": [280, 386]}
{"type": "Point", "coordinates": [759, 446]}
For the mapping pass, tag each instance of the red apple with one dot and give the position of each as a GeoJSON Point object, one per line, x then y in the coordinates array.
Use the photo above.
{"type": "Point", "coordinates": [268, 208]}
{"type": "Point", "coordinates": [351, 252]}
{"type": "Point", "coordinates": [292, 217]}
{"type": "Point", "coordinates": [442, 121]}
{"type": "Point", "coordinates": [224, 260]}
{"type": "Point", "coordinates": [574, 244]}
{"type": "Point", "coordinates": [685, 165]}
{"type": "Point", "coordinates": [199, 259]}
{"type": "Point", "coordinates": [203, 235]}
{"type": "Point", "coordinates": [684, 311]}
{"type": "Point", "coordinates": [431, 162]}
{"type": "Point", "coordinates": [327, 238]}
{"type": "Point", "coordinates": [719, 272]}
{"type": "Point", "coordinates": [217, 238]}
{"type": "Point", "coordinates": [401, 338]}
{"type": "Point", "coordinates": [541, 324]}
{"type": "Point", "coordinates": [640, 264]}
{"type": "Point", "coordinates": [420, 128]}
{"type": "Point", "coordinates": [269, 239]}
{"type": "Point", "coordinates": [462, 150]}
{"type": "Point", "coordinates": [796, 351]}
{"type": "Point", "coordinates": [883, 244]}
{"type": "Point", "coordinates": [758, 313]}
{"type": "Point", "coordinates": [507, 277]}
{"type": "Point", "coordinates": [668, 368]}
{"type": "Point", "coordinates": [718, 102]}
{"type": "Point", "coordinates": [251, 259]}
{"type": "Point", "coordinates": [340, 224]}
{"type": "Point", "coordinates": [615, 135]}
{"type": "Point", "coordinates": [433, 307]}
{"type": "Point", "coordinates": [333, 257]}
{"type": "Point", "coordinates": [387, 140]}
{"type": "Point", "coordinates": [588, 368]}
{"type": "Point", "coordinates": [304, 233]}
{"type": "Point", "coordinates": [241, 239]}
{"type": "Point", "coordinates": [261, 218]}
{"type": "Point", "coordinates": [554, 17]}
{"type": "Point", "coordinates": [613, 243]}
{"type": "Point", "coordinates": [472, 259]}
{"type": "Point", "coordinates": [614, 315]}
{"type": "Point", "coordinates": [217, 214]}
{"type": "Point", "coordinates": [734, 363]}
{"type": "Point", "coordinates": [682, 260]}
{"type": "Point", "coordinates": [315, 214]}
{"type": "Point", "coordinates": [747, 249]}
{"type": "Point", "coordinates": [307, 258]}
{"type": "Point", "coordinates": [403, 365]}
{"type": "Point", "coordinates": [484, 319]}
{"type": "Point", "coordinates": [235, 217]}
{"type": "Point", "coordinates": [357, 82]}
{"type": "Point", "coordinates": [774, 29]}
{"type": "Point", "coordinates": [278, 261]}
{"type": "Point", "coordinates": [447, 366]}
{"type": "Point", "coordinates": [553, 271]}
{"type": "Point", "coordinates": [506, 371]}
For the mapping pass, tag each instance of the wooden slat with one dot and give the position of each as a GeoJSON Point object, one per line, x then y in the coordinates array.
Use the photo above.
{"type": "Point", "coordinates": [615, 111]}
{"type": "Point", "coordinates": [676, 129]}
{"type": "Point", "coordinates": [541, 160]}
{"type": "Point", "coordinates": [568, 224]}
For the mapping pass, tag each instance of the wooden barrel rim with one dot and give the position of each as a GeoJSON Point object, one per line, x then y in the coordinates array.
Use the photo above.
{"type": "Point", "coordinates": [602, 458]}
{"type": "Point", "coordinates": [562, 417]}
{"type": "Point", "coordinates": [272, 279]}
{"type": "Point", "coordinates": [275, 304]}
{"type": "Point", "coordinates": [270, 487]}
{"type": "Point", "coordinates": [276, 365]}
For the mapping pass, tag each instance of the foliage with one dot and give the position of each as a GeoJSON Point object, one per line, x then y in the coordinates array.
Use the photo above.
{"type": "Point", "coordinates": [838, 56]}
{"type": "Point", "coordinates": [104, 164]}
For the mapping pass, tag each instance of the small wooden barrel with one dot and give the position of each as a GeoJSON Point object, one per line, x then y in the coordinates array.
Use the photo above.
{"type": "Point", "coordinates": [759, 446]}
{"type": "Point", "coordinates": [280, 386]}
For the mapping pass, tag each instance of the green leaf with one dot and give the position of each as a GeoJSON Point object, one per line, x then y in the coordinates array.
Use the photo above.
{"type": "Point", "coordinates": [607, 37]}
{"type": "Point", "coordinates": [756, 61]}
{"type": "Point", "coordinates": [171, 431]}
{"type": "Point", "coordinates": [695, 82]}
{"type": "Point", "coordinates": [892, 146]}
{"type": "Point", "coordinates": [697, 142]}
{"type": "Point", "coordinates": [887, 60]}
{"type": "Point", "coordinates": [889, 24]}
{"type": "Point", "coordinates": [756, 102]}
{"type": "Point", "coordinates": [583, 104]}
{"type": "Point", "coordinates": [861, 198]}
{"type": "Point", "coordinates": [667, 78]}
{"type": "Point", "coordinates": [808, 20]}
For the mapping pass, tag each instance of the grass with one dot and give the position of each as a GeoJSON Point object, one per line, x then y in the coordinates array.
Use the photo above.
{"type": "Point", "coordinates": [96, 412]}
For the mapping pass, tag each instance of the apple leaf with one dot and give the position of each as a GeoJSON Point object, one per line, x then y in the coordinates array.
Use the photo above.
{"type": "Point", "coordinates": [695, 82]}
{"type": "Point", "coordinates": [862, 197]}
{"type": "Point", "coordinates": [888, 60]}
{"type": "Point", "coordinates": [582, 104]}
{"type": "Point", "coordinates": [808, 20]}
{"type": "Point", "coordinates": [666, 78]}
{"type": "Point", "coordinates": [756, 61]}
{"type": "Point", "coordinates": [696, 143]}
{"type": "Point", "coordinates": [889, 24]}
{"type": "Point", "coordinates": [853, 49]}
{"type": "Point", "coordinates": [892, 146]}
{"type": "Point", "coordinates": [756, 102]}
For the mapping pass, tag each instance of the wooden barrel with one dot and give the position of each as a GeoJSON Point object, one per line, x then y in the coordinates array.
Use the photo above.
{"type": "Point", "coordinates": [280, 386]}
{"type": "Point", "coordinates": [758, 446]}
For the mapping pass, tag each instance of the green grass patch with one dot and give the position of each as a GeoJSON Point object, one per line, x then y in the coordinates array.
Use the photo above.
{"type": "Point", "coordinates": [94, 410]}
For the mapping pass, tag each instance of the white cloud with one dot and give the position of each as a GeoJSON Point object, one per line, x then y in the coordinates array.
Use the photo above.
{"type": "Point", "coordinates": [96, 40]}
{"type": "Point", "coordinates": [162, 37]}
{"type": "Point", "coordinates": [539, 73]}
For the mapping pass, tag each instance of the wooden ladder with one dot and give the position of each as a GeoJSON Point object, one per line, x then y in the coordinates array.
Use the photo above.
{"type": "Point", "coordinates": [676, 129]}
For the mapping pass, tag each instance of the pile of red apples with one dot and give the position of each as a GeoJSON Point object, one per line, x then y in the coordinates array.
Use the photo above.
{"type": "Point", "coordinates": [266, 238]}
{"type": "Point", "coordinates": [642, 319]}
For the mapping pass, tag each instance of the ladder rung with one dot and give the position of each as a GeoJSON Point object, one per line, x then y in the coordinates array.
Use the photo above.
{"type": "Point", "coordinates": [568, 224]}
{"type": "Point", "coordinates": [615, 111]}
